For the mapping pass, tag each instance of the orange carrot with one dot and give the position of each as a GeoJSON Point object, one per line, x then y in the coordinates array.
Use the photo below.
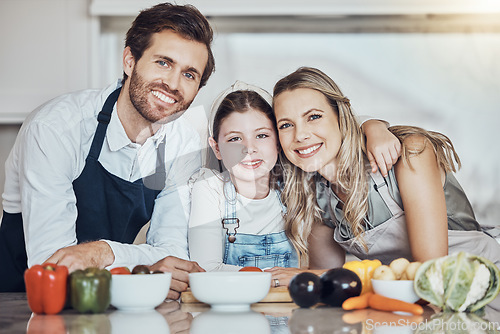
{"type": "Point", "coordinates": [382, 303]}
{"type": "Point", "coordinates": [357, 303]}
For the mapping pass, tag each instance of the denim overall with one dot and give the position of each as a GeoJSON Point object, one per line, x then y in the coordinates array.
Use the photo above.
{"type": "Point", "coordinates": [108, 208]}
{"type": "Point", "coordinates": [262, 251]}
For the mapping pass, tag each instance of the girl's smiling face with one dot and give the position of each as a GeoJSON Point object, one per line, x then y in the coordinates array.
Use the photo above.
{"type": "Point", "coordinates": [308, 130]}
{"type": "Point", "coordinates": [247, 145]}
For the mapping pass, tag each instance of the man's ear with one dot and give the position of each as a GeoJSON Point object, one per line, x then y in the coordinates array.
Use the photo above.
{"type": "Point", "coordinates": [215, 147]}
{"type": "Point", "coordinates": [128, 61]}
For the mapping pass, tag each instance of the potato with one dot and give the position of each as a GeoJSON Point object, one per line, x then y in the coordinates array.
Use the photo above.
{"type": "Point", "coordinates": [383, 273]}
{"type": "Point", "coordinates": [398, 266]}
{"type": "Point", "coordinates": [412, 269]}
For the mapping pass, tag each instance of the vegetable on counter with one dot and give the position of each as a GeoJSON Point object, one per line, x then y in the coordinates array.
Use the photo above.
{"type": "Point", "coordinates": [398, 269]}
{"type": "Point", "coordinates": [305, 289]}
{"type": "Point", "coordinates": [250, 268]}
{"type": "Point", "coordinates": [458, 282]}
{"type": "Point", "coordinates": [120, 271]}
{"type": "Point", "coordinates": [357, 303]}
{"type": "Point", "coordinates": [364, 269]}
{"type": "Point", "coordinates": [140, 270]}
{"type": "Point", "coordinates": [337, 285]}
{"type": "Point", "coordinates": [46, 288]}
{"type": "Point", "coordinates": [381, 303]}
{"type": "Point", "coordinates": [90, 290]}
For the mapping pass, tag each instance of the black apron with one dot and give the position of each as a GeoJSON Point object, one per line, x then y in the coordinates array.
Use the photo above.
{"type": "Point", "coordinates": [108, 207]}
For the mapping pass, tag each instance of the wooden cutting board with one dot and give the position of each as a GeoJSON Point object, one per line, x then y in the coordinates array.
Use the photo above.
{"type": "Point", "coordinates": [275, 295]}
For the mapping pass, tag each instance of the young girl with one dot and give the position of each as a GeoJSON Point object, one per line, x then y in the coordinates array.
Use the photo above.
{"type": "Point", "coordinates": [237, 216]}
{"type": "Point", "coordinates": [419, 211]}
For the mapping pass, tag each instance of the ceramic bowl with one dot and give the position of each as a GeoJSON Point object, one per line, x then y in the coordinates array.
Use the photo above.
{"type": "Point", "coordinates": [139, 293]}
{"type": "Point", "coordinates": [230, 291]}
{"type": "Point", "coordinates": [396, 289]}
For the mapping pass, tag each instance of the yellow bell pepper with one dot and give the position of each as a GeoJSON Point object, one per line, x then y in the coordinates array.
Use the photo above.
{"type": "Point", "coordinates": [364, 269]}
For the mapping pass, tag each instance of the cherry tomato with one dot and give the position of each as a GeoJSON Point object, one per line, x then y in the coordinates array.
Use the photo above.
{"type": "Point", "coordinates": [305, 289]}
{"type": "Point", "coordinates": [250, 269]}
{"type": "Point", "coordinates": [338, 284]}
{"type": "Point", "coordinates": [120, 271]}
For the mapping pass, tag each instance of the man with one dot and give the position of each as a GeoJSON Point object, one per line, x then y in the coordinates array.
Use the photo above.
{"type": "Point", "coordinates": [90, 168]}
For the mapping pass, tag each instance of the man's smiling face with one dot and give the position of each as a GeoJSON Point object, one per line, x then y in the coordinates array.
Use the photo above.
{"type": "Point", "coordinates": [166, 79]}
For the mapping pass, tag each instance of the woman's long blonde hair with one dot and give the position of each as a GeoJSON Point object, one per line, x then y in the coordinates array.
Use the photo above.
{"type": "Point", "coordinates": [447, 157]}
{"type": "Point", "coordinates": [299, 194]}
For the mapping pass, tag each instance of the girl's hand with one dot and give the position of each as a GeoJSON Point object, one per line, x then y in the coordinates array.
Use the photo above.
{"type": "Point", "coordinates": [383, 149]}
{"type": "Point", "coordinates": [283, 275]}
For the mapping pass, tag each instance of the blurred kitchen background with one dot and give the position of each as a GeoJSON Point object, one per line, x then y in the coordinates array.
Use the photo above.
{"type": "Point", "coordinates": [430, 63]}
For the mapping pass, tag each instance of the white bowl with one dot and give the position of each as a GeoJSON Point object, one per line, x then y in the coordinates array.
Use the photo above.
{"type": "Point", "coordinates": [230, 291]}
{"type": "Point", "coordinates": [396, 289]}
{"type": "Point", "coordinates": [139, 292]}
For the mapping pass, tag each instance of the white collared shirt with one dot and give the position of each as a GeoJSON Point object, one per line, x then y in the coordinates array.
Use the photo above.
{"type": "Point", "coordinates": [49, 154]}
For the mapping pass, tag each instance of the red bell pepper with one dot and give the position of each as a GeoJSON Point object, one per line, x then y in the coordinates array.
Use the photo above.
{"type": "Point", "coordinates": [46, 288]}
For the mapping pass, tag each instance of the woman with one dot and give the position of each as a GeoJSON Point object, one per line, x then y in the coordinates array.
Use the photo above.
{"type": "Point", "coordinates": [419, 211]}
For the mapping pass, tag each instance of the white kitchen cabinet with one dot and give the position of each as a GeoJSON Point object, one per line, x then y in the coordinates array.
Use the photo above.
{"type": "Point", "coordinates": [45, 51]}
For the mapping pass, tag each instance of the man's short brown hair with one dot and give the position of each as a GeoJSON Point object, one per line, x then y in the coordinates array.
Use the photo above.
{"type": "Point", "coordinates": [185, 20]}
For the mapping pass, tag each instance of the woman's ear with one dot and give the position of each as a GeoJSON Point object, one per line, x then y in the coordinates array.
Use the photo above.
{"type": "Point", "coordinates": [128, 61]}
{"type": "Point", "coordinates": [215, 147]}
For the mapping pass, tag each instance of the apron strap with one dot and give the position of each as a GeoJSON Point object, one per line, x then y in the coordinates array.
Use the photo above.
{"type": "Point", "coordinates": [382, 188]}
{"type": "Point", "coordinates": [230, 222]}
{"type": "Point", "coordinates": [103, 120]}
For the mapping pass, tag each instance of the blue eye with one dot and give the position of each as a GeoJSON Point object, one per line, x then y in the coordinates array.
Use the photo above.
{"type": "Point", "coordinates": [163, 63]}
{"type": "Point", "coordinates": [284, 126]}
{"type": "Point", "coordinates": [314, 116]}
{"type": "Point", "coordinates": [189, 76]}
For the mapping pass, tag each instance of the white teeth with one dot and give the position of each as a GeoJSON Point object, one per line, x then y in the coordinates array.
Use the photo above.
{"type": "Point", "coordinates": [310, 149]}
{"type": "Point", "coordinates": [251, 163]}
{"type": "Point", "coordinates": [163, 97]}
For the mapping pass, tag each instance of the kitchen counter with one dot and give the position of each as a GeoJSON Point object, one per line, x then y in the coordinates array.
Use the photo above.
{"type": "Point", "coordinates": [174, 317]}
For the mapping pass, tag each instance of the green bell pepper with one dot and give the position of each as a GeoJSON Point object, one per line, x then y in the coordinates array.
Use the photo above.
{"type": "Point", "coordinates": [90, 290]}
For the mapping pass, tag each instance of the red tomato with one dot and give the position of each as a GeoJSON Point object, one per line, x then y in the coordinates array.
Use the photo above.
{"type": "Point", "coordinates": [250, 269]}
{"type": "Point", "coordinates": [120, 271]}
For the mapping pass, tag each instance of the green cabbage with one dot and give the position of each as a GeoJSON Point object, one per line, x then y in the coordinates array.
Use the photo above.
{"type": "Point", "coordinates": [460, 282]}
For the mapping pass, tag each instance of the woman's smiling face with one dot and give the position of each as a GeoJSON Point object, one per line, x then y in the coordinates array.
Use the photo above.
{"type": "Point", "coordinates": [308, 130]}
